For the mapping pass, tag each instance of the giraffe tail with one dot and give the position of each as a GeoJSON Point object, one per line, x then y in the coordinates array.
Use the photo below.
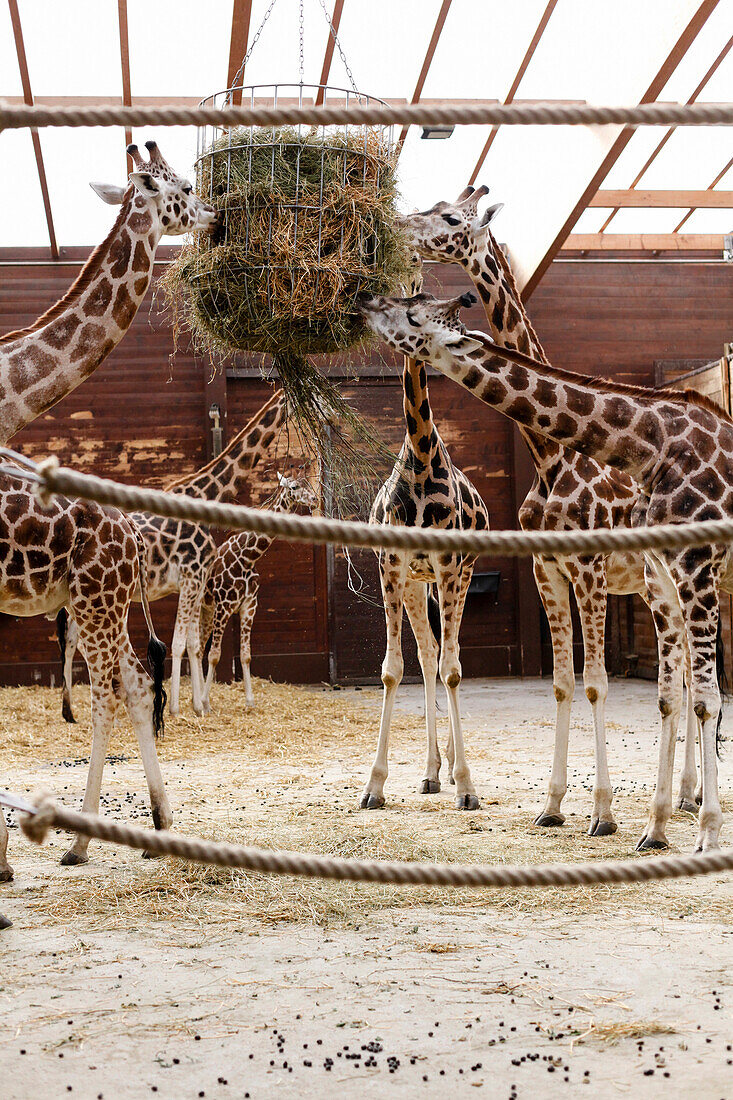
{"type": "Point", "coordinates": [722, 678]}
{"type": "Point", "coordinates": [62, 625]}
{"type": "Point", "coordinates": [434, 616]}
{"type": "Point", "coordinates": [156, 648]}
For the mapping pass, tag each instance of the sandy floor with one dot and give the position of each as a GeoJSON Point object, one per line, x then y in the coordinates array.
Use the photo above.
{"type": "Point", "coordinates": [127, 978]}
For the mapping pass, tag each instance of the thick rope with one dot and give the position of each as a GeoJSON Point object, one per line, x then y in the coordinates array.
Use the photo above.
{"type": "Point", "coordinates": [13, 117]}
{"type": "Point", "coordinates": [51, 478]}
{"type": "Point", "coordinates": [48, 813]}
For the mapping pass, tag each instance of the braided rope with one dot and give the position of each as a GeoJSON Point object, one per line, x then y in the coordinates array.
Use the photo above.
{"type": "Point", "coordinates": [48, 813]}
{"type": "Point", "coordinates": [51, 478]}
{"type": "Point", "coordinates": [13, 117]}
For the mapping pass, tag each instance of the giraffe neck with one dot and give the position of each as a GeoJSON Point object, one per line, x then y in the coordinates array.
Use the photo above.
{"type": "Point", "coordinates": [510, 327]}
{"type": "Point", "coordinates": [226, 475]}
{"type": "Point", "coordinates": [421, 438]}
{"type": "Point", "coordinates": [42, 363]}
{"type": "Point", "coordinates": [611, 424]}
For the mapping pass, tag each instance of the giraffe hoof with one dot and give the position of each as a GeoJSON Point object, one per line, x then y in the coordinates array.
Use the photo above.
{"type": "Point", "coordinates": [4, 922]}
{"type": "Point", "coordinates": [688, 806]}
{"type": "Point", "coordinates": [430, 786]}
{"type": "Point", "coordinates": [6, 872]}
{"type": "Point", "coordinates": [67, 713]}
{"type": "Point", "coordinates": [467, 802]}
{"type": "Point", "coordinates": [548, 821]}
{"type": "Point", "coordinates": [73, 859]}
{"type": "Point", "coordinates": [651, 844]}
{"type": "Point", "coordinates": [372, 801]}
{"type": "Point", "coordinates": [150, 855]}
{"type": "Point", "coordinates": [602, 828]}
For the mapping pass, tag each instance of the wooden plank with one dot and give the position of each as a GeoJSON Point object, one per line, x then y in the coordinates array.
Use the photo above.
{"type": "Point", "coordinates": [668, 199]}
{"type": "Point", "coordinates": [241, 16]}
{"type": "Point", "coordinates": [658, 148]}
{"type": "Point", "coordinates": [35, 138]}
{"type": "Point", "coordinates": [125, 66]}
{"type": "Point", "coordinates": [645, 242]}
{"type": "Point", "coordinates": [430, 53]}
{"type": "Point", "coordinates": [515, 83]}
{"type": "Point", "coordinates": [531, 267]}
{"type": "Point", "coordinates": [328, 55]}
{"type": "Point", "coordinates": [717, 180]}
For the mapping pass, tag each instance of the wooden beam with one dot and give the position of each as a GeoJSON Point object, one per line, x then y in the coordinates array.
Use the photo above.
{"type": "Point", "coordinates": [328, 56]}
{"type": "Point", "coordinates": [515, 83]}
{"type": "Point", "coordinates": [717, 180]}
{"type": "Point", "coordinates": [432, 46]}
{"type": "Point", "coordinates": [28, 98]}
{"type": "Point", "coordinates": [666, 199]}
{"type": "Point", "coordinates": [656, 85]}
{"type": "Point", "coordinates": [125, 66]}
{"type": "Point", "coordinates": [644, 242]}
{"type": "Point", "coordinates": [241, 16]}
{"type": "Point", "coordinates": [658, 148]}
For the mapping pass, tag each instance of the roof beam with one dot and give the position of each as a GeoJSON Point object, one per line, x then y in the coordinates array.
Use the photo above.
{"type": "Point", "coordinates": [241, 16]}
{"type": "Point", "coordinates": [717, 179]}
{"type": "Point", "coordinates": [338, 8]}
{"type": "Point", "coordinates": [539, 253]}
{"type": "Point", "coordinates": [125, 66]}
{"type": "Point", "coordinates": [515, 83]}
{"type": "Point", "coordinates": [28, 98]}
{"type": "Point", "coordinates": [666, 199]}
{"type": "Point", "coordinates": [430, 53]}
{"type": "Point", "coordinates": [657, 150]}
{"type": "Point", "coordinates": [644, 242]}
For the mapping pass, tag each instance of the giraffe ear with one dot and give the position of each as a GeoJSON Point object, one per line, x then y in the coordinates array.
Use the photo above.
{"type": "Point", "coordinates": [463, 345]}
{"type": "Point", "coordinates": [145, 184]}
{"type": "Point", "coordinates": [108, 193]}
{"type": "Point", "coordinates": [489, 215]}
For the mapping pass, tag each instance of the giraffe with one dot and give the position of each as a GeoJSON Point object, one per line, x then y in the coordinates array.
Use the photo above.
{"type": "Point", "coordinates": [42, 363]}
{"type": "Point", "coordinates": [425, 489]}
{"type": "Point", "coordinates": [179, 553]}
{"type": "Point", "coordinates": [571, 491]}
{"type": "Point", "coordinates": [91, 558]}
{"type": "Point", "coordinates": [678, 447]}
{"type": "Point", "coordinates": [232, 585]}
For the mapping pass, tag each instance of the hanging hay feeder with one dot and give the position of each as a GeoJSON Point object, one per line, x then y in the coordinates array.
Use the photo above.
{"type": "Point", "coordinates": [308, 221]}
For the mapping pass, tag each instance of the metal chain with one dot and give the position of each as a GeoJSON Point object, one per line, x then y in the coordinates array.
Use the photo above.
{"type": "Point", "coordinates": [248, 54]}
{"type": "Point", "coordinates": [335, 37]}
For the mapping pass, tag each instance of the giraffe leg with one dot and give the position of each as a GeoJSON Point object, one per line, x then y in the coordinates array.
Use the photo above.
{"type": "Point", "coordinates": [246, 618]}
{"type": "Point", "coordinates": [450, 751]}
{"type": "Point", "coordinates": [686, 799]}
{"type": "Point", "coordinates": [392, 571]}
{"type": "Point", "coordinates": [591, 597]}
{"type": "Point", "coordinates": [669, 625]}
{"type": "Point", "coordinates": [188, 606]}
{"type": "Point", "coordinates": [100, 643]}
{"type": "Point", "coordinates": [452, 584]}
{"type": "Point", "coordinates": [554, 592]}
{"type": "Point", "coordinates": [416, 596]}
{"type": "Point", "coordinates": [195, 662]}
{"type": "Point", "coordinates": [222, 614]}
{"type": "Point", "coordinates": [71, 642]}
{"type": "Point", "coordinates": [138, 697]}
{"type": "Point", "coordinates": [6, 871]}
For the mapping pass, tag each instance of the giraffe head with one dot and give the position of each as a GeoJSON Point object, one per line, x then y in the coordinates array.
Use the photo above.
{"type": "Point", "coordinates": [294, 493]}
{"type": "Point", "coordinates": [449, 230]}
{"type": "Point", "coordinates": [169, 198]}
{"type": "Point", "coordinates": [422, 327]}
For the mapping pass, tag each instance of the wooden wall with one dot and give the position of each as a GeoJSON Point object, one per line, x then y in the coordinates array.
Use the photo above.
{"type": "Point", "coordinates": [143, 417]}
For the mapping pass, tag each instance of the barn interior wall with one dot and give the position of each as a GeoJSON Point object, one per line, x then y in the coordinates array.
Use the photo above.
{"type": "Point", "coordinates": [144, 417]}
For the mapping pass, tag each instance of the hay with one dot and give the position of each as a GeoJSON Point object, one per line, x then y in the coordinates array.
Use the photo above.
{"type": "Point", "coordinates": [308, 222]}
{"type": "Point", "coordinates": [616, 1031]}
